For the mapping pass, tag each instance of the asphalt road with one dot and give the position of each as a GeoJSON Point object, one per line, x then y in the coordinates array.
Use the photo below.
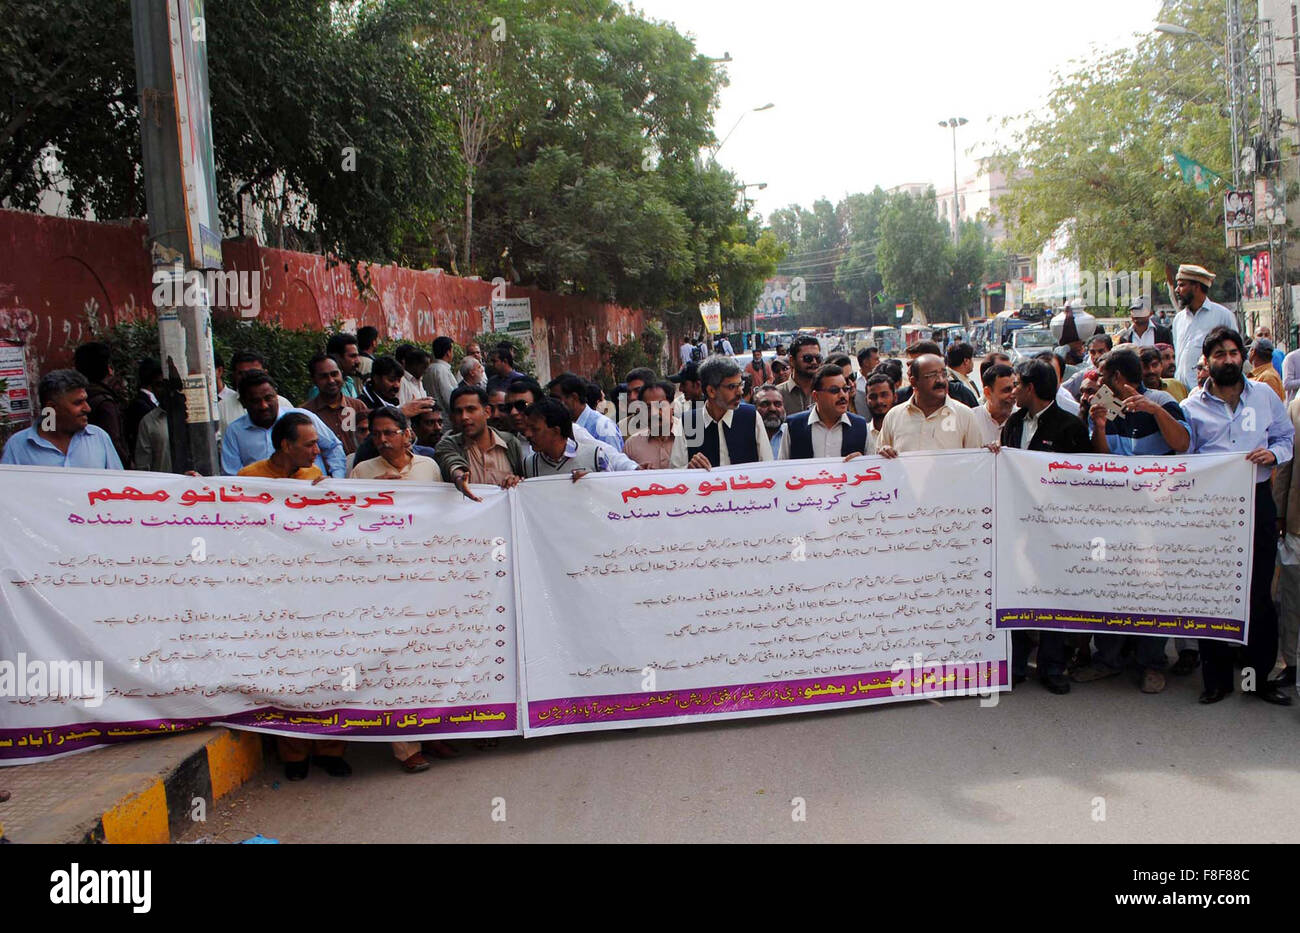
{"type": "Point", "coordinates": [1104, 764]}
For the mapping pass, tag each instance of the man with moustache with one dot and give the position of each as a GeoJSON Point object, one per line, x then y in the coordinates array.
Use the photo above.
{"type": "Point", "coordinates": [929, 420]}
{"type": "Point", "coordinates": [651, 443]}
{"type": "Point", "coordinates": [1234, 414]}
{"type": "Point", "coordinates": [827, 429]}
{"type": "Point", "coordinates": [723, 431]}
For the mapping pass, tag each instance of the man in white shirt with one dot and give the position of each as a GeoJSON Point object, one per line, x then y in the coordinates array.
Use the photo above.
{"type": "Point", "coordinates": [1197, 318]}
{"type": "Point", "coordinates": [439, 381]}
{"type": "Point", "coordinates": [929, 420]}
{"type": "Point", "coordinates": [999, 392]}
{"type": "Point", "coordinates": [723, 431]}
{"type": "Point", "coordinates": [880, 395]}
{"type": "Point", "coordinates": [686, 350]}
{"type": "Point", "coordinates": [415, 362]}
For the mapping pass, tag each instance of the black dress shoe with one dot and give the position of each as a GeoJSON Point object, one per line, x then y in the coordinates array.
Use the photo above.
{"type": "Point", "coordinates": [1215, 694]}
{"type": "Point", "coordinates": [1188, 660]}
{"type": "Point", "coordinates": [1284, 679]}
{"type": "Point", "coordinates": [1271, 694]}
{"type": "Point", "coordinates": [1055, 683]}
{"type": "Point", "coordinates": [295, 770]}
{"type": "Point", "coordinates": [333, 765]}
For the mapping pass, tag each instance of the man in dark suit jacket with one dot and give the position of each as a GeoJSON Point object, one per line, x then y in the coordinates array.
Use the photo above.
{"type": "Point", "coordinates": [1136, 332]}
{"type": "Point", "coordinates": [1040, 424]}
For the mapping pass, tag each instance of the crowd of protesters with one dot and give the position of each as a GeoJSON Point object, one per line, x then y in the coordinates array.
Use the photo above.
{"type": "Point", "coordinates": [1194, 387]}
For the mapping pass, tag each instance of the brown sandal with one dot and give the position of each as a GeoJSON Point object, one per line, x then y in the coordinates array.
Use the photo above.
{"type": "Point", "coordinates": [415, 764]}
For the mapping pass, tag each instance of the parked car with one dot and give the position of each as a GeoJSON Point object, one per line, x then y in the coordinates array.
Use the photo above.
{"type": "Point", "coordinates": [1029, 341]}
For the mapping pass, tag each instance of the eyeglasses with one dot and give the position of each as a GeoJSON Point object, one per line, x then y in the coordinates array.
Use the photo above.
{"type": "Point", "coordinates": [810, 358]}
{"type": "Point", "coordinates": [516, 405]}
{"type": "Point", "coordinates": [835, 390]}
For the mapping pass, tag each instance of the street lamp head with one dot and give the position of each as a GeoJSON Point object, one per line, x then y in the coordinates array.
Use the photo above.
{"type": "Point", "coordinates": [1173, 29]}
{"type": "Point", "coordinates": [764, 107]}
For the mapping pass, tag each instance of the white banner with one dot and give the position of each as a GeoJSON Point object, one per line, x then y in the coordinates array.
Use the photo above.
{"type": "Point", "coordinates": [1128, 545]}
{"type": "Point", "coordinates": [143, 603]}
{"type": "Point", "coordinates": [656, 598]}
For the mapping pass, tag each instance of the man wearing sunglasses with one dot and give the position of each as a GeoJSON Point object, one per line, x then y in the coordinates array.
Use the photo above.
{"type": "Point", "coordinates": [523, 393]}
{"type": "Point", "coordinates": [805, 359]}
{"type": "Point", "coordinates": [827, 429]}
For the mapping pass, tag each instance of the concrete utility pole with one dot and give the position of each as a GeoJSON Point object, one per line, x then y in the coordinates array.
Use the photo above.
{"type": "Point", "coordinates": [160, 30]}
{"type": "Point", "coordinates": [955, 122]}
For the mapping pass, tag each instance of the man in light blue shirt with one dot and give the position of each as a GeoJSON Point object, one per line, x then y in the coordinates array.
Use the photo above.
{"type": "Point", "coordinates": [73, 440]}
{"type": "Point", "coordinates": [1235, 415]}
{"type": "Point", "coordinates": [572, 390]}
{"type": "Point", "coordinates": [248, 439]}
{"type": "Point", "coordinates": [1197, 318]}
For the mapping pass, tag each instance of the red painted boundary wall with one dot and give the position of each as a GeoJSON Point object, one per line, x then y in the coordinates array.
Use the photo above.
{"type": "Point", "coordinates": [56, 274]}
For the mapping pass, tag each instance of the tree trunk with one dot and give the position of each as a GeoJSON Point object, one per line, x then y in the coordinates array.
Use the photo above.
{"type": "Point", "coordinates": [469, 222]}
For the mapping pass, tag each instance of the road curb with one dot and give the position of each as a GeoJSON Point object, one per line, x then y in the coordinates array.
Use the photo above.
{"type": "Point", "coordinates": [165, 808]}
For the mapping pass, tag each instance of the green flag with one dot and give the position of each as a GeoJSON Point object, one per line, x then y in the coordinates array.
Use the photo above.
{"type": "Point", "coordinates": [1194, 173]}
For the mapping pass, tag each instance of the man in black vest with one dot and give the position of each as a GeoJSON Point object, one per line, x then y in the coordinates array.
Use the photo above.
{"type": "Point", "coordinates": [1040, 424]}
{"type": "Point", "coordinates": [722, 431]}
{"type": "Point", "coordinates": [827, 429]}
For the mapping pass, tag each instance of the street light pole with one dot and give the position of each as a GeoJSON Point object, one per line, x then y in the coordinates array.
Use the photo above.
{"type": "Point", "coordinates": [953, 123]}
{"type": "Point", "coordinates": [737, 123]}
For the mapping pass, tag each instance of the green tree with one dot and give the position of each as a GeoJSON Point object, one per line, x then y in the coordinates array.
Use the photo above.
{"type": "Point", "coordinates": [68, 107]}
{"type": "Point", "coordinates": [1101, 153]}
{"type": "Point", "coordinates": [913, 251]}
{"type": "Point", "coordinates": [858, 277]}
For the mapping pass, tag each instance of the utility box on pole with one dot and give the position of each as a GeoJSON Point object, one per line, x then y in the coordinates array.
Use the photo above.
{"type": "Point", "coordinates": [180, 196]}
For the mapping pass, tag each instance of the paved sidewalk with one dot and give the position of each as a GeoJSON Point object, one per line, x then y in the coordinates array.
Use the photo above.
{"type": "Point", "coordinates": [142, 791]}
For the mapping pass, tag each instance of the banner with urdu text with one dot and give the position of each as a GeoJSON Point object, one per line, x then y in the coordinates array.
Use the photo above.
{"type": "Point", "coordinates": [1127, 545]}
{"type": "Point", "coordinates": [137, 604]}
{"type": "Point", "coordinates": [676, 596]}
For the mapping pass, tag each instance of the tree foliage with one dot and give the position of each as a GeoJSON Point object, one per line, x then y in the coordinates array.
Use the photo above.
{"type": "Point", "coordinates": [555, 145]}
{"type": "Point", "coordinates": [1100, 154]}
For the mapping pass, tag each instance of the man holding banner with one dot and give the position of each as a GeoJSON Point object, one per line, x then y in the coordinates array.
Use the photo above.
{"type": "Point", "coordinates": [294, 453]}
{"type": "Point", "coordinates": [1040, 424]}
{"type": "Point", "coordinates": [722, 432]}
{"type": "Point", "coordinates": [827, 429]}
{"type": "Point", "coordinates": [1233, 415]}
{"type": "Point", "coordinates": [1152, 424]}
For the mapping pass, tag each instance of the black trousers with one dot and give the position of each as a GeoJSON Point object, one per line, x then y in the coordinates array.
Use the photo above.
{"type": "Point", "coordinates": [1051, 652]}
{"type": "Point", "coordinates": [1261, 645]}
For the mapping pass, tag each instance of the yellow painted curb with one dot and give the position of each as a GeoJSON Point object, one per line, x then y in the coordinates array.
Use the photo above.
{"type": "Point", "coordinates": [233, 758]}
{"type": "Point", "coordinates": [141, 818]}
